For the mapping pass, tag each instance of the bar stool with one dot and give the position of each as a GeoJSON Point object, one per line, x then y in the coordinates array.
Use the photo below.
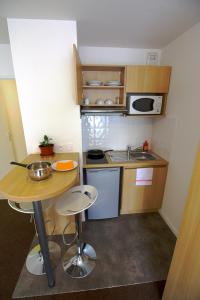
{"type": "Point", "coordinates": [79, 260]}
{"type": "Point", "coordinates": [34, 260]}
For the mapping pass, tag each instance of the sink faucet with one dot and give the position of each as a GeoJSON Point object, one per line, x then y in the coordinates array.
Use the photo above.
{"type": "Point", "coordinates": [131, 150]}
{"type": "Point", "coordinates": [128, 151]}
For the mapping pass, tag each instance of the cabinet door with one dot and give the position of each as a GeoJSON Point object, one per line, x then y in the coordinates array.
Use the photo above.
{"type": "Point", "coordinates": [78, 76]}
{"type": "Point", "coordinates": [141, 198]}
{"type": "Point", "coordinates": [147, 79]}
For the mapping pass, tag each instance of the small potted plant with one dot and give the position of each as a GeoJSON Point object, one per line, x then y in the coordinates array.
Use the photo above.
{"type": "Point", "coordinates": [46, 147]}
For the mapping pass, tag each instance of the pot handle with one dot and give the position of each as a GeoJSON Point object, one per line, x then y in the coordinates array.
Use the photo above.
{"type": "Point", "coordinates": [18, 164]}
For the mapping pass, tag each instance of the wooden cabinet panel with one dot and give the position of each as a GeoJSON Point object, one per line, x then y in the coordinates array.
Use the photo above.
{"type": "Point", "coordinates": [78, 76]}
{"type": "Point", "coordinates": [137, 198]}
{"type": "Point", "coordinates": [53, 219]}
{"type": "Point", "coordinates": [147, 79]}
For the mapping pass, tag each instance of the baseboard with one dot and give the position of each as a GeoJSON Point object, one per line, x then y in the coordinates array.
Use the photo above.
{"type": "Point", "coordinates": [1, 197]}
{"type": "Point", "coordinates": [166, 219]}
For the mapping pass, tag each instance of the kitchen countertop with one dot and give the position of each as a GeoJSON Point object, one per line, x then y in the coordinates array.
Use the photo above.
{"type": "Point", "coordinates": [17, 186]}
{"type": "Point", "coordinates": [128, 165]}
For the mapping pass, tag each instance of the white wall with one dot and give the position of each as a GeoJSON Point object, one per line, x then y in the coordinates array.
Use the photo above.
{"type": "Point", "coordinates": [176, 137]}
{"type": "Point", "coordinates": [112, 132]}
{"type": "Point", "coordinates": [6, 65]}
{"type": "Point", "coordinates": [43, 62]}
{"type": "Point", "coordinates": [118, 56]}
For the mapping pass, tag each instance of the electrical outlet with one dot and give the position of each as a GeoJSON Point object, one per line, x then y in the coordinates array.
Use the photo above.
{"type": "Point", "coordinates": [60, 148]}
{"type": "Point", "coordinates": [64, 148]}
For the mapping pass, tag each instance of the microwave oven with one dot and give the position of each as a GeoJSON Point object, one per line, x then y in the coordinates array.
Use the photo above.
{"type": "Point", "coordinates": [144, 104]}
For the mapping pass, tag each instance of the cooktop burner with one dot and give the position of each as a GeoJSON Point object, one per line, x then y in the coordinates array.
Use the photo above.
{"type": "Point", "coordinates": [96, 161]}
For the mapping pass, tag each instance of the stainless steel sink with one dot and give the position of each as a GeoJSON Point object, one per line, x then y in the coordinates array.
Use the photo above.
{"type": "Point", "coordinates": [142, 156]}
{"type": "Point", "coordinates": [122, 156]}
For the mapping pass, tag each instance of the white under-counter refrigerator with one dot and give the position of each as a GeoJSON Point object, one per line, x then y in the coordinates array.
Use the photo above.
{"type": "Point", "coordinates": [107, 183]}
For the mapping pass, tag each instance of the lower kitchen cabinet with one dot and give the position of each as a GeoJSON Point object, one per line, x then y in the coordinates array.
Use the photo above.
{"type": "Point", "coordinates": [142, 198]}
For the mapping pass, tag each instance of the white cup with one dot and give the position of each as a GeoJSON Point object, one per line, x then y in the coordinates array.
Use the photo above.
{"type": "Point", "coordinates": [86, 101]}
{"type": "Point", "coordinates": [99, 102]}
{"type": "Point", "coordinates": [108, 102]}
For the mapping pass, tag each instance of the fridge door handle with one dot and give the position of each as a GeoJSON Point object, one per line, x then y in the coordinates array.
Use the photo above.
{"type": "Point", "coordinates": [102, 170]}
{"type": "Point", "coordinates": [95, 171]}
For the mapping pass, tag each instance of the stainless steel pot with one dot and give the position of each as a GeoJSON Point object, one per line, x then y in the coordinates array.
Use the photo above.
{"type": "Point", "coordinates": [38, 170]}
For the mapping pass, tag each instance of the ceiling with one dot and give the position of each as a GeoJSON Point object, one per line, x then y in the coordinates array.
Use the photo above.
{"type": "Point", "coordinates": [111, 23]}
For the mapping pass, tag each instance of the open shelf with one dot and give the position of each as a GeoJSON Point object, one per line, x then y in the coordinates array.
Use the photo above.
{"type": "Point", "coordinates": [112, 68]}
{"type": "Point", "coordinates": [103, 87]}
{"type": "Point", "coordinates": [104, 106]}
{"type": "Point", "coordinates": [103, 74]}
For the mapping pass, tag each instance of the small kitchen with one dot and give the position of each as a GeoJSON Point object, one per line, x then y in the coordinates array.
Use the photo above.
{"type": "Point", "coordinates": [118, 105]}
{"type": "Point", "coordinates": [111, 125]}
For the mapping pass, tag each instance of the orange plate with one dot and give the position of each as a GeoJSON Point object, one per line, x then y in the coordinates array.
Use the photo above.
{"type": "Point", "coordinates": [64, 165]}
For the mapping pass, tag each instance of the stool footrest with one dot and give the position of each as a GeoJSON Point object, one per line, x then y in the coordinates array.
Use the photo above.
{"type": "Point", "coordinates": [63, 236]}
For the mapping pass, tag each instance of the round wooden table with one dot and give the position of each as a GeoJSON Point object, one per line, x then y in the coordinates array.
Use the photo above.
{"type": "Point", "coordinates": [17, 186]}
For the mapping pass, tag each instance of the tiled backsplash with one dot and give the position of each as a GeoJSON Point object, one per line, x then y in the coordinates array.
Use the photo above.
{"type": "Point", "coordinates": [115, 132]}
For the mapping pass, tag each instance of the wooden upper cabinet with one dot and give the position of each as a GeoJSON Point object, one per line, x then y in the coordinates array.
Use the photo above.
{"type": "Point", "coordinates": [103, 73]}
{"type": "Point", "coordinates": [133, 79]}
{"type": "Point", "coordinates": [78, 76]}
{"type": "Point", "coordinates": [147, 79]}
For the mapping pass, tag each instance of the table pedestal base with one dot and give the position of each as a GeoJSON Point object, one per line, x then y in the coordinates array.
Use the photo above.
{"type": "Point", "coordinates": [35, 262]}
{"type": "Point", "coordinates": [39, 222]}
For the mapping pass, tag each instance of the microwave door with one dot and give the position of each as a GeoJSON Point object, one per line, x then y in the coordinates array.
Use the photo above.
{"type": "Point", "coordinates": [143, 105]}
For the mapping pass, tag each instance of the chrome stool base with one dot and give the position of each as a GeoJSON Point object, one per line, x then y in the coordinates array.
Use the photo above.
{"type": "Point", "coordinates": [35, 262]}
{"type": "Point", "coordinates": [78, 262]}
